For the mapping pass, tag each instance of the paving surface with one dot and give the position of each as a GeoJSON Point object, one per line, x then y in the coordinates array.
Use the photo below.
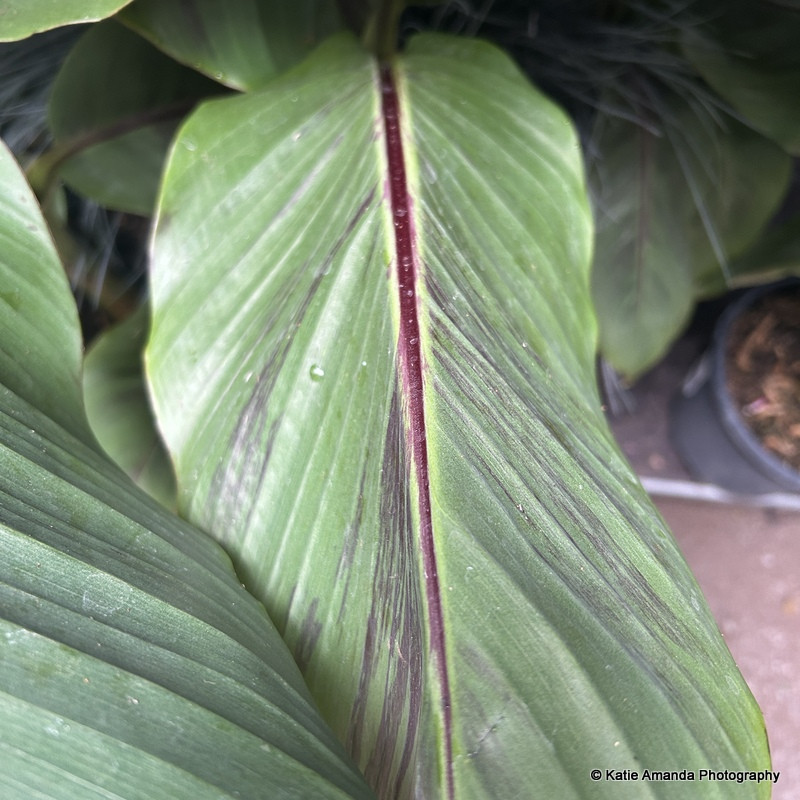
{"type": "Point", "coordinates": [746, 558]}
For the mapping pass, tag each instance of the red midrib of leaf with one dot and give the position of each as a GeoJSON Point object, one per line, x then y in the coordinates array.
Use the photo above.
{"type": "Point", "coordinates": [406, 260]}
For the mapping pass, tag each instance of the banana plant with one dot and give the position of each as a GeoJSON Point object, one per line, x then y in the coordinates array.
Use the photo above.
{"type": "Point", "coordinates": [408, 559]}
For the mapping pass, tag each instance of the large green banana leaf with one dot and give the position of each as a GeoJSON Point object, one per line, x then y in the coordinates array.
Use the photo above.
{"type": "Point", "coordinates": [132, 662]}
{"type": "Point", "coordinates": [372, 360]}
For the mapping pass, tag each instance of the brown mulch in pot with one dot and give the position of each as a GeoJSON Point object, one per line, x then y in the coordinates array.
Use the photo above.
{"type": "Point", "coordinates": [762, 364]}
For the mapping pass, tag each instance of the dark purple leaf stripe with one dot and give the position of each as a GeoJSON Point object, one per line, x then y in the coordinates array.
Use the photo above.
{"type": "Point", "coordinates": [410, 359]}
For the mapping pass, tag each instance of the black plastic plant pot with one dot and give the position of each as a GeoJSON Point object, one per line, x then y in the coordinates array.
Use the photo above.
{"type": "Point", "coordinates": [707, 429]}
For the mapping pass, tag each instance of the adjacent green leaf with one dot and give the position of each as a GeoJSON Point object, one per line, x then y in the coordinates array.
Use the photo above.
{"type": "Point", "coordinates": [241, 44]}
{"type": "Point", "coordinates": [114, 108]}
{"type": "Point", "coordinates": [744, 180]}
{"type": "Point", "coordinates": [487, 606]}
{"type": "Point", "coordinates": [642, 281]}
{"type": "Point", "coordinates": [775, 255]}
{"type": "Point", "coordinates": [673, 207]}
{"type": "Point", "coordinates": [41, 335]}
{"type": "Point", "coordinates": [752, 60]}
{"type": "Point", "coordinates": [21, 18]}
{"type": "Point", "coordinates": [132, 662]}
{"type": "Point", "coordinates": [119, 410]}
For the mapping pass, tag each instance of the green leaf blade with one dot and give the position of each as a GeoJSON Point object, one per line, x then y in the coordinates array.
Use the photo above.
{"type": "Point", "coordinates": [675, 205]}
{"type": "Point", "coordinates": [776, 255]}
{"type": "Point", "coordinates": [133, 621]}
{"type": "Point", "coordinates": [532, 456]}
{"type": "Point", "coordinates": [243, 44]}
{"type": "Point", "coordinates": [22, 18]}
{"type": "Point", "coordinates": [283, 393]}
{"type": "Point", "coordinates": [36, 306]}
{"type": "Point", "coordinates": [332, 353]}
{"type": "Point", "coordinates": [752, 63]}
{"type": "Point", "coordinates": [119, 409]}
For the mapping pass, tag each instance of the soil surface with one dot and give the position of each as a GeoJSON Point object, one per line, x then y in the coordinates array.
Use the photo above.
{"type": "Point", "coordinates": [762, 365]}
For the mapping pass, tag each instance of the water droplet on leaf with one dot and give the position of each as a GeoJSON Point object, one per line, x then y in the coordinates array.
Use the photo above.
{"type": "Point", "coordinates": [316, 372]}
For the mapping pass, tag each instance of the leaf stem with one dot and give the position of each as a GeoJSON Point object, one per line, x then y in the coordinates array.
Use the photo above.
{"type": "Point", "coordinates": [380, 34]}
{"type": "Point", "coordinates": [43, 173]}
{"type": "Point", "coordinates": [406, 257]}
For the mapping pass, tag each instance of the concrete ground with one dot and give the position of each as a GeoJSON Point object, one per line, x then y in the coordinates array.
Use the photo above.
{"type": "Point", "coordinates": [746, 557]}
